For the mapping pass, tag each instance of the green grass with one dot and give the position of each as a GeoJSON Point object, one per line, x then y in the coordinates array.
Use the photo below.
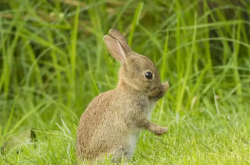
{"type": "Point", "coordinates": [53, 62]}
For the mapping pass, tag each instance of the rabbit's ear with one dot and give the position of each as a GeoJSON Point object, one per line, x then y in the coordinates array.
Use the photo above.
{"type": "Point", "coordinates": [117, 35]}
{"type": "Point", "coordinates": [114, 48]}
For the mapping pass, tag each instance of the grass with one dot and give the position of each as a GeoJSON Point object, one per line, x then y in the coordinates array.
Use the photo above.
{"type": "Point", "coordinates": [53, 62]}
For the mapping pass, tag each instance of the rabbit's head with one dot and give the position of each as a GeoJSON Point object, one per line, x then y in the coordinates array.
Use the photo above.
{"type": "Point", "coordinates": [137, 70]}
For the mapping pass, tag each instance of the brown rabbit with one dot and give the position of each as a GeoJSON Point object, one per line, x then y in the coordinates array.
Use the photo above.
{"type": "Point", "coordinates": [113, 120]}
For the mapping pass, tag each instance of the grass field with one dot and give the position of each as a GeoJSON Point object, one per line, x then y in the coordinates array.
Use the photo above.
{"type": "Point", "coordinates": [53, 62]}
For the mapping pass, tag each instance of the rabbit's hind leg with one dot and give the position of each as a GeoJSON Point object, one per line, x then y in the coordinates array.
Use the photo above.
{"type": "Point", "coordinates": [120, 154]}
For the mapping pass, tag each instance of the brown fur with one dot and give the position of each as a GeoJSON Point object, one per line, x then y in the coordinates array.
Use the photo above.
{"type": "Point", "coordinates": [113, 120]}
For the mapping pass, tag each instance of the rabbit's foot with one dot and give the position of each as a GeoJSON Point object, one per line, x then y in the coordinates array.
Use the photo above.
{"type": "Point", "coordinates": [120, 154]}
{"type": "Point", "coordinates": [160, 130]}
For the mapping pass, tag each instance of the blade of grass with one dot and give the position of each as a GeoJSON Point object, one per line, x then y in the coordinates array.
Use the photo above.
{"type": "Point", "coordinates": [135, 22]}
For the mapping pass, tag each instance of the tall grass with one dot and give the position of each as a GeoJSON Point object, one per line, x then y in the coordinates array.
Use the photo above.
{"type": "Point", "coordinates": [53, 62]}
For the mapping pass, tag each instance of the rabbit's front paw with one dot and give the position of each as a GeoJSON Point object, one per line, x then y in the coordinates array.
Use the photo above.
{"type": "Point", "coordinates": [160, 130]}
{"type": "Point", "coordinates": [165, 86]}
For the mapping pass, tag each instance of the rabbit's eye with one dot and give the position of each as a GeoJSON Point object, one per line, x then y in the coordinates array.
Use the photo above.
{"type": "Point", "coordinates": [148, 75]}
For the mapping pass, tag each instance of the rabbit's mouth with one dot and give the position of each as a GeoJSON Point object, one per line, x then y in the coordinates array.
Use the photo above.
{"type": "Point", "coordinates": [156, 88]}
{"type": "Point", "coordinates": [153, 89]}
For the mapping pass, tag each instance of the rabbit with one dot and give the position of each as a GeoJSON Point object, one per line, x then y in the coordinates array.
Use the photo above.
{"type": "Point", "coordinates": [110, 125]}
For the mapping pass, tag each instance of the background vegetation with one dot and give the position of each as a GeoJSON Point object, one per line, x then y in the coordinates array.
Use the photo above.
{"type": "Point", "coordinates": [53, 62]}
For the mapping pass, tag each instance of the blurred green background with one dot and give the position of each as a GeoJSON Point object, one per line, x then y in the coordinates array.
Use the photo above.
{"type": "Point", "coordinates": [53, 62]}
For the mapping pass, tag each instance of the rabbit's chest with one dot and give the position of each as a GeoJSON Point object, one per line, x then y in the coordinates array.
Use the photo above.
{"type": "Point", "coordinates": [132, 142]}
{"type": "Point", "coordinates": [145, 107]}
{"type": "Point", "coordinates": [149, 110]}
